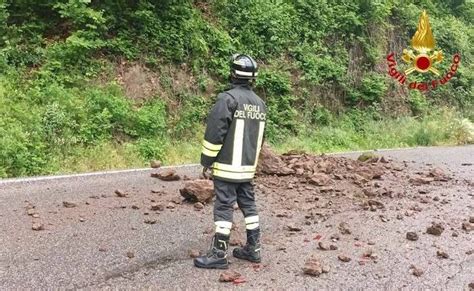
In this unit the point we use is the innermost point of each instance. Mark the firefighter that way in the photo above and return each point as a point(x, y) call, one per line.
point(231, 146)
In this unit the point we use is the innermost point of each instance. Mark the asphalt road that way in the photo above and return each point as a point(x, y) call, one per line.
point(86, 246)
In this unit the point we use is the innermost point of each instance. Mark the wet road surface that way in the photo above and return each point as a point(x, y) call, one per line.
point(90, 245)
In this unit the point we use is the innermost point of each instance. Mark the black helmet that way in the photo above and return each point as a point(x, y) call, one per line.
point(243, 67)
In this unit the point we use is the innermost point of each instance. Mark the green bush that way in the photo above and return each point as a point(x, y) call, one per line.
point(193, 112)
point(418, 103)
point(151, 149)
point(321, 116)
point(64, 64)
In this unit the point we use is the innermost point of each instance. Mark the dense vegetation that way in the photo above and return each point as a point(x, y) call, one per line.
point(113, 83)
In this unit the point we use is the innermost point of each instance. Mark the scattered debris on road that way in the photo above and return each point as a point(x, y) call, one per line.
point(315, 267)
point(37, 226)
point(292, 227)
point(435, 229)
point(120, 193)
point(344, 228)
point(198, 191)
point(194, 253)
point(344, 258)
point(166, 175)
point(467, 226)
point(157, 207)
point(442, 254)
point(150, 221)
point(416, 271)
point(229, 276)
point(413, 236)
point(198, 206)
point(69, 204)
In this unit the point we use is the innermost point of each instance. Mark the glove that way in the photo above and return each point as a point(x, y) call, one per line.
point(206, 173)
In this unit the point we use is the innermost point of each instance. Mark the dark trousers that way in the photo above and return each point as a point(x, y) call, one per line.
point(226, 195)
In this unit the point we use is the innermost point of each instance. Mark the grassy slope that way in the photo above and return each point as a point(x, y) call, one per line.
point(443, 127)
point(72, 102)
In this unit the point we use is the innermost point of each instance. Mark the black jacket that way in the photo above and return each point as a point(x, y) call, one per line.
point(234, 134)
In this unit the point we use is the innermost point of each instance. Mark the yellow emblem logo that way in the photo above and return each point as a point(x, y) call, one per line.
point(422, 58)
point(423, 42)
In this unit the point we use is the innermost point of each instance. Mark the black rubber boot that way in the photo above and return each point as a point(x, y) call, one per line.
point(216, 257)
point(251, 251)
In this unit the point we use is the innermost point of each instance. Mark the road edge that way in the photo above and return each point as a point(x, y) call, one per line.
point(113, 172)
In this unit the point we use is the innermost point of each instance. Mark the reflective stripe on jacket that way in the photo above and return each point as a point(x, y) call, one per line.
point(234, 135)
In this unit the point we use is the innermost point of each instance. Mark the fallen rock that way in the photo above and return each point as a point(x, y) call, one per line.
point(271, 164)
point(344, 258)
point(170, 205)
point(384, 160)
point(374, 204)
point(102, 249)
point(314, 267)
point(417, 271)
point(335, 237)
point(198, 191)
point(155, 164)
point(130, 254)
point(157, 207)
point(370, 254)
point(418, 180)
point(198, 206)
point(413, 236)
point(323, 246)
point(167, 175)
point(150, 221)
point(37, 226)
point(69, 204)
point(120, 193)
point(442, 254)
point(438, 175)
point(467, 226)
point(292, 227)
point(177, 200)
point(344, 228)
point(471, 219)
point(194, 253)
point(435, 229)
point(370, 173)
point(368, 157)
point(320, 179)
point(333, 247)
point(31, 211)
point(229, 276)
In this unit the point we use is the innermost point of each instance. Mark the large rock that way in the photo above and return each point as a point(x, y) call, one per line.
point(198, 191)
point(272, 164)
